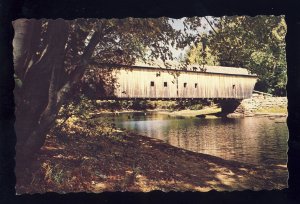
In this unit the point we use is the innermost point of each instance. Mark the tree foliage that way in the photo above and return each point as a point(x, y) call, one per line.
point(256, 43)
point(57, 60)
point(201, 54)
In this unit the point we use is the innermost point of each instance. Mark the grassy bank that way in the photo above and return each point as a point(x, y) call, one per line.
point(271, 110)
point(193, 113)
point(143, 105)
point(184, 108)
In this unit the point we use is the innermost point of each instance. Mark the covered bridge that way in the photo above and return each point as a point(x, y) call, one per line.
point(195, 82)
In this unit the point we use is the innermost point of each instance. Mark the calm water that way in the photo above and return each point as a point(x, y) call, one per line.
point(253, 140)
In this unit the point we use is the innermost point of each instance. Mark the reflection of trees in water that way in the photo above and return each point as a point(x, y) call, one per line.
point(250, 140)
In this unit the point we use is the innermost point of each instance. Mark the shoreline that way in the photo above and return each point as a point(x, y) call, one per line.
point(209, 112)
point(95, 158)
point(137, 163)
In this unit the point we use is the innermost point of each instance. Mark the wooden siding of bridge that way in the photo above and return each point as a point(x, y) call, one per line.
point(136, 83)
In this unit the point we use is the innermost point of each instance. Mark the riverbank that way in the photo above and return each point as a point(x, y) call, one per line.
point(207, 112)
point(113, 160)
point(258, 105)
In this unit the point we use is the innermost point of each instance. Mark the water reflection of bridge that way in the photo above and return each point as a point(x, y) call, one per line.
point(226, 85)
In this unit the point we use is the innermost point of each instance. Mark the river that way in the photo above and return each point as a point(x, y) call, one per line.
point(253, 140)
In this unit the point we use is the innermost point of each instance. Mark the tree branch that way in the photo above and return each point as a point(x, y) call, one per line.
point(210, 25)
point(78, 72)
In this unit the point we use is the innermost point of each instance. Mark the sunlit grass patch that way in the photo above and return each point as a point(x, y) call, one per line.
point(273, 109)
point(54, 173)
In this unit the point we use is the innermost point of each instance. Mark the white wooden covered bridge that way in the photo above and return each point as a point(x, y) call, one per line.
point(195, 82)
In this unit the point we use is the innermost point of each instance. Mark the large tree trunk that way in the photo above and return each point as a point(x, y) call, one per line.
point(44, 90)
point(35, 108)
point(25, 44)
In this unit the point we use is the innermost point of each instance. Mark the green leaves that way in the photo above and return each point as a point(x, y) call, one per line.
point(256, 43)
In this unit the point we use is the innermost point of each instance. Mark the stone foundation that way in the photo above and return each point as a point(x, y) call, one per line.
point(249, 107)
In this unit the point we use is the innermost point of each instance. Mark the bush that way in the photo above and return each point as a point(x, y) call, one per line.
point(191, 104)
point(141, 105)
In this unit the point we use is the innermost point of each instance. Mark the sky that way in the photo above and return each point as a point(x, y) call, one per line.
point(178, 25)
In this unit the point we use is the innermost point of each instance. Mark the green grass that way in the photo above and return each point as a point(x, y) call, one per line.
point(275, 109)
point(193, 113)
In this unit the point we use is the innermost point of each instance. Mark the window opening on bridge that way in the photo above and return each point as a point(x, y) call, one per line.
point(165, 84)
point(184, 85)
point(152, 83)
point(196, 85)
point(233, 86)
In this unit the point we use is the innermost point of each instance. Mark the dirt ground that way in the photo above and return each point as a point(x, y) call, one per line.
point(124, 161)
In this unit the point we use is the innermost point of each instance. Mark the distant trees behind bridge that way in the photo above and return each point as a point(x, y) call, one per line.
point(256, 43)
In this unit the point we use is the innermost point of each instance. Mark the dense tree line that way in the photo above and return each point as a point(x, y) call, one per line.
point(256, 43)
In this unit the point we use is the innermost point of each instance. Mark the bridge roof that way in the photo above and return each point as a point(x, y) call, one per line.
point(171, 65)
